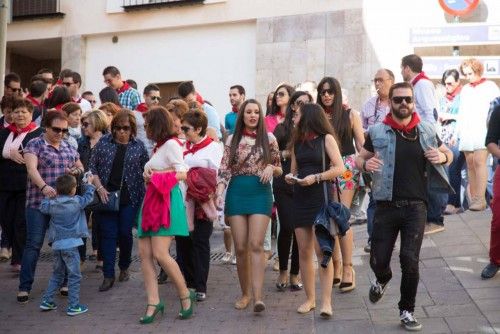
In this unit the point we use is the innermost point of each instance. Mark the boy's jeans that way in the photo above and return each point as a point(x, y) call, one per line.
point(65, 260)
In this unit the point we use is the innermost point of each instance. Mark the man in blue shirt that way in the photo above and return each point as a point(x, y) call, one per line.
point(236, 98)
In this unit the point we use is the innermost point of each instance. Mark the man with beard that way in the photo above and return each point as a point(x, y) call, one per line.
point(236, 98)
point(406, 158)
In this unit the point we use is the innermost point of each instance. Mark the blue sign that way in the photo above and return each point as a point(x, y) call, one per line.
point(455, 34)
point(435, 66)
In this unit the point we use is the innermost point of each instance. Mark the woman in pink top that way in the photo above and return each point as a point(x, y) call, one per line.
point(278, 106)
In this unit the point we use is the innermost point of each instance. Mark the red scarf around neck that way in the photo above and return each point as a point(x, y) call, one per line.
point(329, 110)
point(125, 87)
point(235, 109)
point(13, 128)
point(310, 136)
point(161, 142)
point(452, 95)
point(142, 107)
point(33, 101)
point(419, 76)
point(415, 120)
point(249, 133)
point(59, 106)
point(474, 84)
point(193, 148)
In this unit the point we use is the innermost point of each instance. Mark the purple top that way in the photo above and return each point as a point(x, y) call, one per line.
point(52, 163)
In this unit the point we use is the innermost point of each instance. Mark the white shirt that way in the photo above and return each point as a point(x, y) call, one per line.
point(168, 156)
point(208, 157)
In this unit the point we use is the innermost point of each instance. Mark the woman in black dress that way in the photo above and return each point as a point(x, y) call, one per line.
point(312, 129)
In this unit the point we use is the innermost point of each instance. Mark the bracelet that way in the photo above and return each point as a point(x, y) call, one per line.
point(41, 189)
point(318, 178)
point(99, 188)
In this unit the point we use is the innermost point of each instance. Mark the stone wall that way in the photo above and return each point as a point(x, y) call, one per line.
point(297, 48)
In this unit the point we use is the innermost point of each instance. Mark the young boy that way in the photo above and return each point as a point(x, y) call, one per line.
point(68, 226)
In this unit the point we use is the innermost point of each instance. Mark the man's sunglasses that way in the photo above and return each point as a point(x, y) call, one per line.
point(157, 98)
point(15, 90)
point(399, 99)
point(67, 84)
point(124, 128)
point(59, 130)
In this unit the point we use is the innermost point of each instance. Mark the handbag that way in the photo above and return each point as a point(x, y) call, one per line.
point(113, 204)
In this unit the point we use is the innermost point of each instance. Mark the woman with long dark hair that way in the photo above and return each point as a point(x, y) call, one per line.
point(283, 197)
point(279, 104)
point(349, 129)
point(250, 160)
point(312, 134)
point(59, 97)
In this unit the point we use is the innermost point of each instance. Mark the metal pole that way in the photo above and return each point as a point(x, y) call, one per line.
point(4, 14)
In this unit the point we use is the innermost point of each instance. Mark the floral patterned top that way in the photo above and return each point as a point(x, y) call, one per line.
point(249, 159)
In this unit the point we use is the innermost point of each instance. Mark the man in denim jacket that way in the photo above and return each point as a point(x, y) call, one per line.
point(68, 226)
point(406, 158)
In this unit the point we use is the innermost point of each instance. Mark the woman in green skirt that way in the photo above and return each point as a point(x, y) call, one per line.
point(154, 241)
point(250, 160)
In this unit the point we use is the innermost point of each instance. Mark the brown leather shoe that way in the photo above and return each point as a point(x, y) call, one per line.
point(124, 276)
point(107, 284)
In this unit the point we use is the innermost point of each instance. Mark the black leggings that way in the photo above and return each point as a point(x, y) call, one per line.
point(13, 221)
point(284, 204)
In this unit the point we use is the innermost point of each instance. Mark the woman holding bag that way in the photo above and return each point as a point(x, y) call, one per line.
point(156, 228)
point(312, 129)
point(114, 152)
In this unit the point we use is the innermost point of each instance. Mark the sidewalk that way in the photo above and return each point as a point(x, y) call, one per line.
point(451, 298)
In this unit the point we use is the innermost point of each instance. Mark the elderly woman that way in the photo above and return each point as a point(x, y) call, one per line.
point(157, 228)
point(13, 176)
point(117, 163)
point(47, 157)
point(94, 125)
point(203, 157)
point(475, 101)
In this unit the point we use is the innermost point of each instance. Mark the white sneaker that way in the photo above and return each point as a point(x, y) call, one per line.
point(226, 258)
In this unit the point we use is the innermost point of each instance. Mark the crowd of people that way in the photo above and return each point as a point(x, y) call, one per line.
point(172, 170)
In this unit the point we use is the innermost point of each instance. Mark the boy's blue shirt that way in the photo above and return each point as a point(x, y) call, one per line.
point(67, 218)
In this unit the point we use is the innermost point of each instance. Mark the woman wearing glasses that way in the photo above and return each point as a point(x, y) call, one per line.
point(250, 161)
point(161, 220)
point(279, 104)
point(117, 163)
point(475, 101)
point(283, 197)
point(47, 157)
point(348, 127)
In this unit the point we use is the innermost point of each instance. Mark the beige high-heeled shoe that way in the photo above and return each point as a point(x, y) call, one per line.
point(348, 286)
point(337, 280)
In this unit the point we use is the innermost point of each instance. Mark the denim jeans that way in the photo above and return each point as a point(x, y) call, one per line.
point(195, 255)
point(437, 204)
point(36, 226)
point(65, 261)
point(370, 214)
point(113, 227)
point(389, 221)
point(455, 176)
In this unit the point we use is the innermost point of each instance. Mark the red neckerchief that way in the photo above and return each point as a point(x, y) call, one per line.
point(59, 106)
point(249, 134)
point(59, 82)
point(142, 107)
point(235, 109)
point(415, 119)
point(474, 84)
point(452, 95)
point(158, 145)
point(12, 128)
point(419, 76)
point(190, 148)
point(329, 110)
point(77, 100)
point(310, 136)
point(199, 98)
point(33, 101)
point(125, 87)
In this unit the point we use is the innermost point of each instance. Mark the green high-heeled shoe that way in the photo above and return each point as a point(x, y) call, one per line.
point(187, 313)
point(147, 319)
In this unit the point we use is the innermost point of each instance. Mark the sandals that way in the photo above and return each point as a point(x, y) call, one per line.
point(281, 286)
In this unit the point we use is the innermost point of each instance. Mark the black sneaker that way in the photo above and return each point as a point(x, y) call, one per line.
point(376, 291)
point(489, 271)
point(409, 322)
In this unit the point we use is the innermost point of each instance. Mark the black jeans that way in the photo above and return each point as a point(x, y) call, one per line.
point(13, 222)
point(390, 219)
point(193, 255)
point(286, 236)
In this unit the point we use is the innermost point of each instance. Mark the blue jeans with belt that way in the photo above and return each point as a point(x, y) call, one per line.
point(36, 225)
point(391, 219)
point(116, 227)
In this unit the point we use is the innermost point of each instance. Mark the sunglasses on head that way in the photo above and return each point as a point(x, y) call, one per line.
point(124, 128)
point(185, 128)
point(59, 130)
point(328, 91)
point(400, 99)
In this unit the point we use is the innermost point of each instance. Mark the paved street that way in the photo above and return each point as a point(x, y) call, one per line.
point(451, 298)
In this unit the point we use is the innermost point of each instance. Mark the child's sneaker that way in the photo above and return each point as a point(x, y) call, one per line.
point(48, 306)
point(76, 310)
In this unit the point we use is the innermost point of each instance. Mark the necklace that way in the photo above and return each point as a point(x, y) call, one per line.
point(401, 133)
